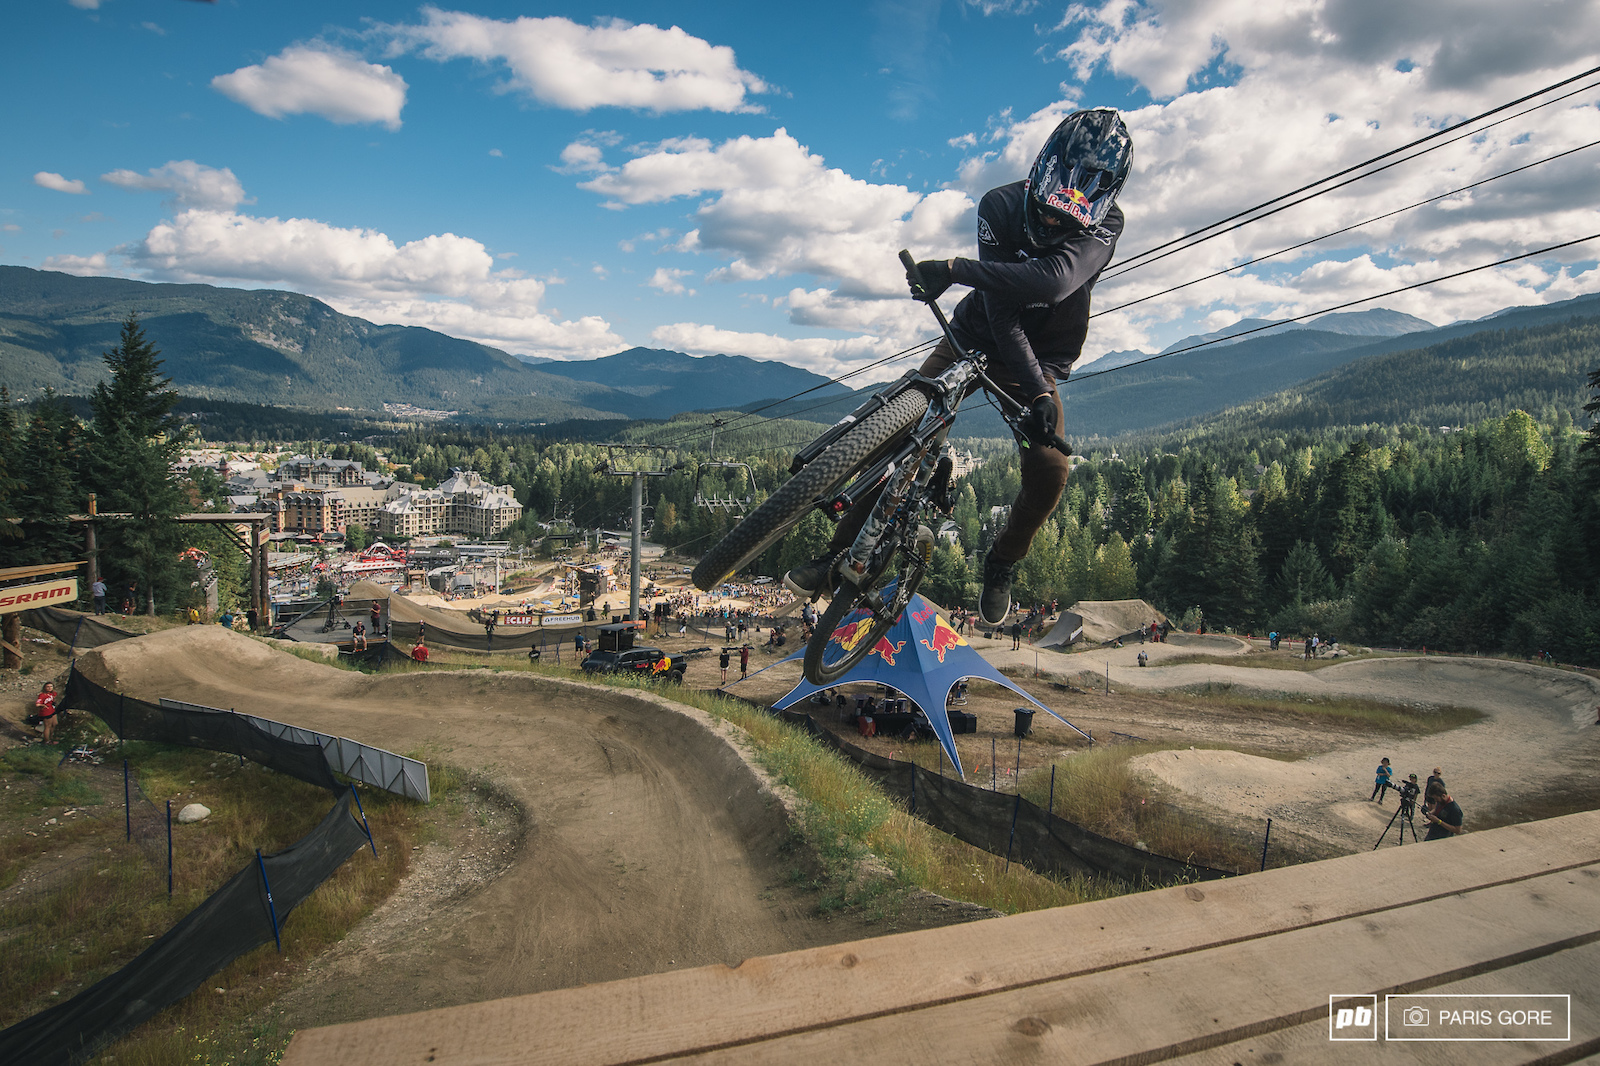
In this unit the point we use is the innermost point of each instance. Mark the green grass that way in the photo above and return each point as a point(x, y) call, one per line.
point(107, 899)
point(1345, 713)
point(1099, 790)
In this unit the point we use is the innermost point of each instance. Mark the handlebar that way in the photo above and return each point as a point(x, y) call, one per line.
point(1009, 407)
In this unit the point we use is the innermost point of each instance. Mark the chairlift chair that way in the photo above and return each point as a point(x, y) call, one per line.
point(732, 503)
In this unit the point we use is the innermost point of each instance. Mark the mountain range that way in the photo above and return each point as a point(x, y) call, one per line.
point(289, 350)
point(264, 346)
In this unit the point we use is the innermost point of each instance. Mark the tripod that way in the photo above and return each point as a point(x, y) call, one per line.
point(1405, 814)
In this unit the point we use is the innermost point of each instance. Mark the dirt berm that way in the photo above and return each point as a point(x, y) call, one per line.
point(651, 842)
point(1107, 620)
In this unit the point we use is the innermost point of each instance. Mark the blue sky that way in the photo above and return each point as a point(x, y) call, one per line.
point(573, 180)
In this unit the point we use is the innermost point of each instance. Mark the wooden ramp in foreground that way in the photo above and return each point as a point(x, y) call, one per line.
point(1236, 971)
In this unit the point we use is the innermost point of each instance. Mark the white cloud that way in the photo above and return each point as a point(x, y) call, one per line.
point(319, 80)
point(85, 266)
point(1254, 100)
point(780, 210)
point(191, 184)
point(819, 354)
point(154, 28)
point(46, 179)
point(497, 153)
point(85, 5)
point(670, 281)
point(610, 64)
point(443, 281)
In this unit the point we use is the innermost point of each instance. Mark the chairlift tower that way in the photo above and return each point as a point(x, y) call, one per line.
point(636, 461)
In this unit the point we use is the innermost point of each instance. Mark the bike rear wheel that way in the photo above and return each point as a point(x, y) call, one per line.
point(825, 474)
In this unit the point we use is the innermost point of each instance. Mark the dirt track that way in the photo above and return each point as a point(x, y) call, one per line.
point(650, 843)
point(1536, 742)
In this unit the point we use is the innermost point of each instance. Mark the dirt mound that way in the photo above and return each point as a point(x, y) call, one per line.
point(1105, 620)
point(651, 843)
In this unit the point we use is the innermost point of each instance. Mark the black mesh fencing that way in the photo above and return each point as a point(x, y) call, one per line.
point(1004, 823)
point(78, 631)
point(133, 719)
point(242, 915)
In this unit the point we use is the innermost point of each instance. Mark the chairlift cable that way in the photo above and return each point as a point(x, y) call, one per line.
point(1336, 307)
point(1134, 260)
point(1337, 232)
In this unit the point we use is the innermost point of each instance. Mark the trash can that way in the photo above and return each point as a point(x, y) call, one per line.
point(1024, 724)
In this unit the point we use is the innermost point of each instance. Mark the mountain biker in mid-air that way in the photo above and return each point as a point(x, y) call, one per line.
point(1042, 243)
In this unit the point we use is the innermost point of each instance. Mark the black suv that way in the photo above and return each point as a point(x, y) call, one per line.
point(649, 662)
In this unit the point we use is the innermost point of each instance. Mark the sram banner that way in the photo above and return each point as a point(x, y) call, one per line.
point(22, 597)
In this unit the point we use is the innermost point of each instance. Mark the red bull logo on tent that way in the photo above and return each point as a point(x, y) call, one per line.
point(850, 634)
point(922, 657)
point(944, 638)
point(886, 651)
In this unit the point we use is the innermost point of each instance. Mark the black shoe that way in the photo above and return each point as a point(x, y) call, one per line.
point(807, 579)
point(995, 603)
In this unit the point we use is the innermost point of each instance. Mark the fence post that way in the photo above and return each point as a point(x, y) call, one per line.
point(272, 910)
point(1265, 837)
point(169, 847)
point(1051, 810)
point(1015, 807)
point(941, 760)
point(364, 826)
point(127, 801)
point(914, 769)
point(993, 786)
point(73, 647)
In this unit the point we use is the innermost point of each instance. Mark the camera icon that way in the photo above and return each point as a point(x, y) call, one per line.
point(1414, 1016)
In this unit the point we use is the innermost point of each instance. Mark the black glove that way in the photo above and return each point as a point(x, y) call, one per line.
point(935, 279)
point(1039, 422)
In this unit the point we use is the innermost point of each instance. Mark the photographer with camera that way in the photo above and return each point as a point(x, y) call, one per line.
point(1409, 789)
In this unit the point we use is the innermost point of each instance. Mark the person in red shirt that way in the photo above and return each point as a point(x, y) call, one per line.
point(45, 707)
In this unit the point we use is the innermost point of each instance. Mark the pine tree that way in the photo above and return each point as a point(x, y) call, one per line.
point(47, 485)
point(135, 438)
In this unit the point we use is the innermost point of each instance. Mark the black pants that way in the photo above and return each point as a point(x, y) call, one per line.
point(1044, 478)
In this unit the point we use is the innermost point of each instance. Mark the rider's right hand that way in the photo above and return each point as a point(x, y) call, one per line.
point(1039, 422)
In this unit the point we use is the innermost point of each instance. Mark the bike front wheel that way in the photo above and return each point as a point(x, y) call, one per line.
point(850, 629)
point(820, 478)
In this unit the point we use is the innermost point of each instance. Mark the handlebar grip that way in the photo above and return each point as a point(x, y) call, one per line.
point(1059, 444)
point(910, 263)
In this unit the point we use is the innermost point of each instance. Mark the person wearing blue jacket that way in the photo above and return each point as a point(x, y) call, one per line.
point(1381, 786)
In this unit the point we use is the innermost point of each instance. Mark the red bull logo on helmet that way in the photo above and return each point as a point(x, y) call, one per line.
point(1072, 201)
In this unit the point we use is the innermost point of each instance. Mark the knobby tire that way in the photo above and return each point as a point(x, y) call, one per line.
point(846, 600)
point(820, 478)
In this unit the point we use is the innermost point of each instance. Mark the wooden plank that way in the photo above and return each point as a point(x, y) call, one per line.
point(1151, 1012)
point(1568, 972)
point(714, 1006)
point(17, 573)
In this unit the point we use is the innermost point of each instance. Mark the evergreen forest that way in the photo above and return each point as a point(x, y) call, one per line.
point(1440, 498)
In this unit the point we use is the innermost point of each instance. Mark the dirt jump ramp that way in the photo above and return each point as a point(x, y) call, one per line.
point(650, 842)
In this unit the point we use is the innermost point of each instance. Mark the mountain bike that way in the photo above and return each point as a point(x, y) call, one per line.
point(885, 454)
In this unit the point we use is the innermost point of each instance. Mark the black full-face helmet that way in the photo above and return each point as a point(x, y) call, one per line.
point(1075, 180)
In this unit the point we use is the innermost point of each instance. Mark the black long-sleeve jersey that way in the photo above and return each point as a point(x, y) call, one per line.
point(1030, 308)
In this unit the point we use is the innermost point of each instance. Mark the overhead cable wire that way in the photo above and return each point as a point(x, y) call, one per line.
point(1336, 307)
point(1346, 229)
point(733, 423)
point(1131, 260)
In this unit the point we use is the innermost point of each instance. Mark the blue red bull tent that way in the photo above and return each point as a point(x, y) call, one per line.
point(922, 657)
